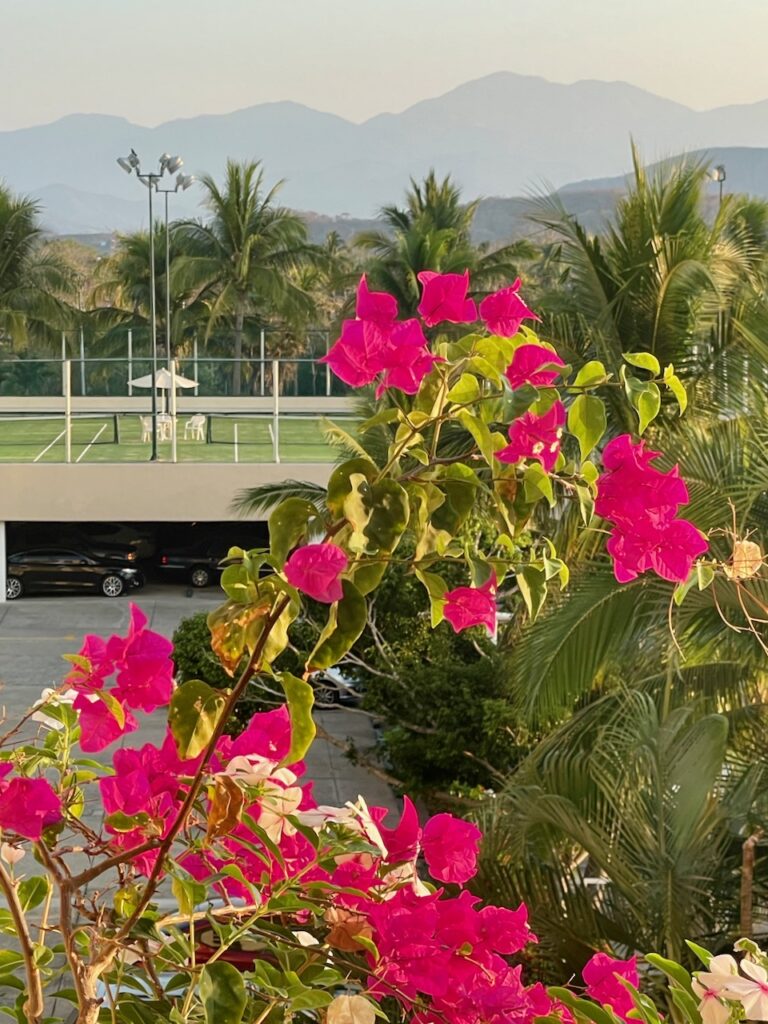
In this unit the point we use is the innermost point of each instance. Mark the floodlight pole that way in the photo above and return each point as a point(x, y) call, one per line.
point(151, 179)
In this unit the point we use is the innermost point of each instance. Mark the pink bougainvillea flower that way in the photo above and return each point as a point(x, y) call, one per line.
point(93, 666)
point(504, 311)
point(407, 358)
point(601, 975)
point(472, 606)
point(268, 734)
point(98, 725)
point(505, 931)
point(145, 668)
point(378, 307)
point(536, 437)
point(402, 841)
point(444, 297)
point(668, 548)
point(526, 367)
point(28, 806)
point(315, 569)
point(631, 487)
point(450, 847)
point(359, 354)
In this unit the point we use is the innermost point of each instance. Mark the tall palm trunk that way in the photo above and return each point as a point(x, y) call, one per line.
point(237, 365)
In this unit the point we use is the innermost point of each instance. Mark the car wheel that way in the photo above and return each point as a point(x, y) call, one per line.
point(13, 588)
point(200, 576)
point(326, 692)
point(112, 586)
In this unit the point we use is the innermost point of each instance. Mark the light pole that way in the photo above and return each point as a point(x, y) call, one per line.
point(183, 182)
point(718, 175)
point(150, 179)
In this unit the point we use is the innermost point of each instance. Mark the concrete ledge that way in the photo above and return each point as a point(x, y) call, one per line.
point(289, 404)
point(137, 492)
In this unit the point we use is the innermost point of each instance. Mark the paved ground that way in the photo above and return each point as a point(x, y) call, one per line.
point(36, 631)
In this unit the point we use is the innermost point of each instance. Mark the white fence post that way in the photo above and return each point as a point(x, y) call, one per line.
point(172, 367)
point(82, 362)
point(194, 364)
point(237, 453)
point(262, 358)
point(130, 362)
point(67, 410)
point(276, 410)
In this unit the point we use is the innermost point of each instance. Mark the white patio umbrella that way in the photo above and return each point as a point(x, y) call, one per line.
point(163, 380)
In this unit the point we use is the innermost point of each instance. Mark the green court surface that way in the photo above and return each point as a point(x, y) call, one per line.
point(118, 438)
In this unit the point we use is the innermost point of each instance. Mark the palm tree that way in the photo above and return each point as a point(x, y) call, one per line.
point(432, 232)
point(625, 698)
point(33, 279)
point(660, 278)
point(240, 261)
point(121, 294)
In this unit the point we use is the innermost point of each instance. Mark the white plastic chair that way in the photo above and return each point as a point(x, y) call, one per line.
point(146, 429)
point(195, 428)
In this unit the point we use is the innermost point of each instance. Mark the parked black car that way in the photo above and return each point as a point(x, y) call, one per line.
point(56, 570)
point(198, 564)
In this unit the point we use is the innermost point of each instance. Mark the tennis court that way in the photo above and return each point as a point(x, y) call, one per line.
point(117, 437)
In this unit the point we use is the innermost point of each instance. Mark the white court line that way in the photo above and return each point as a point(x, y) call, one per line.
point(92, 442)
point(53, 442)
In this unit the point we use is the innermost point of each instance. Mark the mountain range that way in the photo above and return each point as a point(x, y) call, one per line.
point(500, 136)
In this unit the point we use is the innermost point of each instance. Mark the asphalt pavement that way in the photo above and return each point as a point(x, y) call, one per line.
point(36, 631)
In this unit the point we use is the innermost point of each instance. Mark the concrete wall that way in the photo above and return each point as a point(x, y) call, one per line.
point(137, 492)
point(289, 404)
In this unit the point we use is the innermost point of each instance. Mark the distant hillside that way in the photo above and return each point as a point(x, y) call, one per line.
point(499, 136)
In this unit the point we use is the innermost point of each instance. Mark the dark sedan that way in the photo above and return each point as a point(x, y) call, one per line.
point(56, 570)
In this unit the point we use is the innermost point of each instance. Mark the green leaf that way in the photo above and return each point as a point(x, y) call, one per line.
point(677, 388)
point(537, 484)
point(465, 390)
point(222, 990)
point(590, 375)
point(436, 587)
point(32, 891)
point(288, 524)
point(645, 398)
point(533, 586)
point(643, 360)
point(587, 422)
point(188, 893)
point(196, 709)
point(586, 503)
point(345, 480)
point(672, 970)
point(384, 416)
point(121, 822)
point(346, 621)
point(300, 697)
point(481, 435)
point(705, 574)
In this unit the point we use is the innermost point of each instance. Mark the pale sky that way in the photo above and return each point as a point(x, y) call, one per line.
point(154, 60)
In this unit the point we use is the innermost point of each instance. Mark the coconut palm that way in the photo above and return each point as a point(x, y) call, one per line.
point(121, 293)
point(239, 261)
point(33, 281)
point(432, 232)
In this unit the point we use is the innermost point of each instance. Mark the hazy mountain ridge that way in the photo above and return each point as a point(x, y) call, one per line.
point(499, 136)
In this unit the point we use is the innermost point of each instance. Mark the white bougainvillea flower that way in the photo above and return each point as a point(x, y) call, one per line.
point(721, 970)
point(49, 697)
point(752, 991)
point(10, 854)
point(712, 1009)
